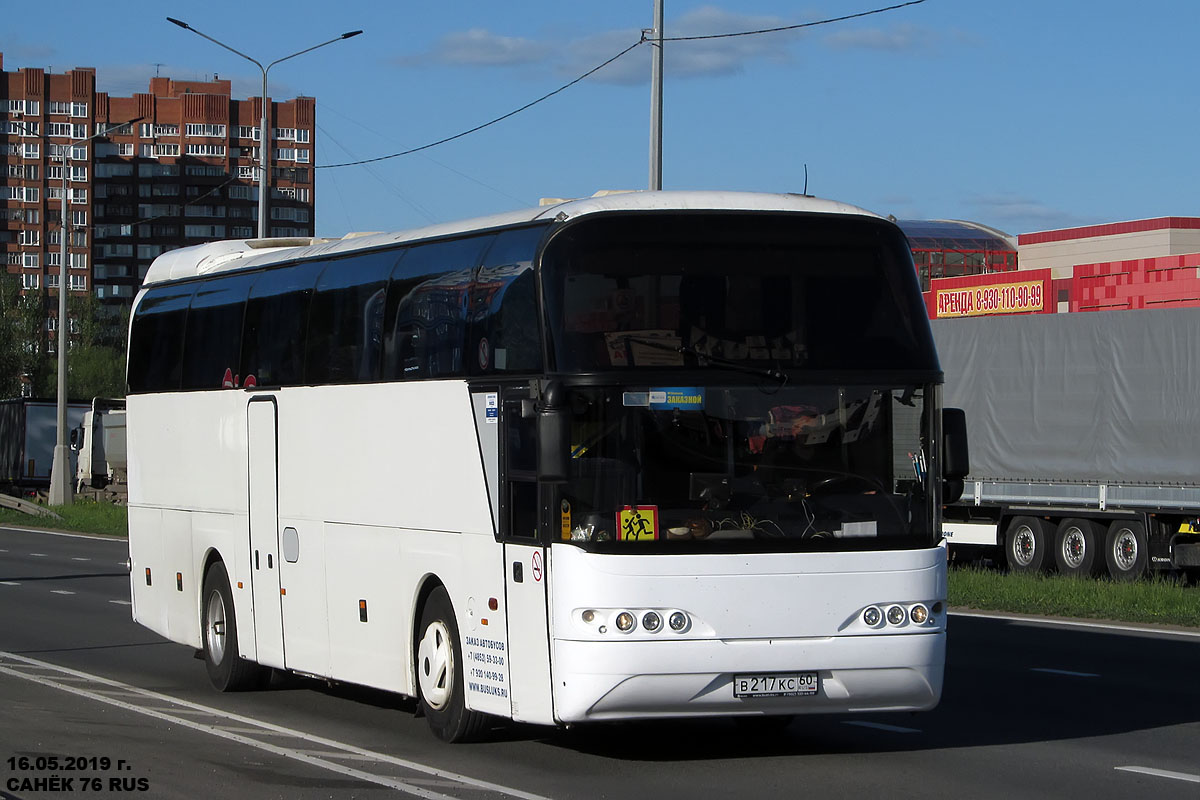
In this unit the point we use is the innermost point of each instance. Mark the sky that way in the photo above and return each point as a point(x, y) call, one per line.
point(1025, 115)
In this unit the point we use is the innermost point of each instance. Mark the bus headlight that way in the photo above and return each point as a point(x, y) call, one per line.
point(896, 615)
point(651, 621)
point(918, 614)
point(678, 621)
point(872, 616)
point(625, 622)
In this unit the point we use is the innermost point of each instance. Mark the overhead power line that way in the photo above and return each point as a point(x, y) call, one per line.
point(791, 27)
point(599, 67)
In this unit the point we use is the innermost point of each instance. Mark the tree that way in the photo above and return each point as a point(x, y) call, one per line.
point(23, 340)
point(96, 357)
point(96, 338)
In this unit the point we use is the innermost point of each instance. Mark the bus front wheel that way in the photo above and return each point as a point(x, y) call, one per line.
point(440, 689)
point(227, 670)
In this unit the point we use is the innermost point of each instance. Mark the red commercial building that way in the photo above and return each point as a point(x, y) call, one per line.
point(184, 173)
point(1140, 264)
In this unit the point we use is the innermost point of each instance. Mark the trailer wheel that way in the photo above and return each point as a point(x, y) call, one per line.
point(1077, 548)
point(440, 687)
point(1027, 545)
point(1125, 550)
point(227, 670)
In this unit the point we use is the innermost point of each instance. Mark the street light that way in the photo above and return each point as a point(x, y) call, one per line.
point(265, 131)
point(60, 480)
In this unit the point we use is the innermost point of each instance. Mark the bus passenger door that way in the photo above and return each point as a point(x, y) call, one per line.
point(526, 569)
point(262, 448)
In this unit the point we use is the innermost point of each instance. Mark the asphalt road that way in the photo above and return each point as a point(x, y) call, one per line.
point(103, 706)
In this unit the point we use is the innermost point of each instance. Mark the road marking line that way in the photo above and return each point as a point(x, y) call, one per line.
point(9, 583)
point(107, 685)
point(1161, 773)
point(121, 602)
point(95, 536)
point(37, 555)
point(77, 558)
point(1064, 672)
point(879, 726)
point(1070, 623)
point(60, 591)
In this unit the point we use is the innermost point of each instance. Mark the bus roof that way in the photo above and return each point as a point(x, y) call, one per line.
point(238, 254)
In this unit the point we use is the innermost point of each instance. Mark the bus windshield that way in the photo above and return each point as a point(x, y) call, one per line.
point(768, 291)
point(746, 468)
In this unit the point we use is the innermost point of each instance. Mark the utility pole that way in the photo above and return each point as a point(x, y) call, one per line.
point(656, 98)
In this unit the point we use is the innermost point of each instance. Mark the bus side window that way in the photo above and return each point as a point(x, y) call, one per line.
point(345, 321)
point(426, 320)
point(276, 325)
point(156, 344)
point(505, 334)
point(212, 343)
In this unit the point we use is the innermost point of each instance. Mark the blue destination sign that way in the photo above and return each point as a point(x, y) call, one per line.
point(685, 398)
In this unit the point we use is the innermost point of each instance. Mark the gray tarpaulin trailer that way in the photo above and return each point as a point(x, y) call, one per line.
point(1085, 438)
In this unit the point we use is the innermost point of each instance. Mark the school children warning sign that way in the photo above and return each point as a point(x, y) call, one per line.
point(637, 523)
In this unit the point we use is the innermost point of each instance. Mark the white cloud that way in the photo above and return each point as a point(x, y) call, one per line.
point(683, 59)
point(482, 48)
point(1017, 214)
point(899, 38)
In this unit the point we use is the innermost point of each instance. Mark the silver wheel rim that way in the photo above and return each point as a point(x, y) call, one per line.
point(435, 665)
point(1125, 549)
point(214, 630)
point(1074, 548)
point(1024, 546)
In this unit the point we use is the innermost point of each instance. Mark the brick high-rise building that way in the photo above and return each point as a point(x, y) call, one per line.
point(185, 173)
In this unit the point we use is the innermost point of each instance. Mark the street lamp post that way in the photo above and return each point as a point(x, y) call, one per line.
point(264, 147)
point(60, 480)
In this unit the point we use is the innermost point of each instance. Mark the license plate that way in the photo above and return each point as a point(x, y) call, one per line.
point(776, 684)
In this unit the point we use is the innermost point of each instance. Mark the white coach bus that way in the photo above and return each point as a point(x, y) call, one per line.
point(657, 454)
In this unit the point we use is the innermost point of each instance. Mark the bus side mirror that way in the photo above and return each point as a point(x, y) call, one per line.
point(956, 460)
point(554, 434)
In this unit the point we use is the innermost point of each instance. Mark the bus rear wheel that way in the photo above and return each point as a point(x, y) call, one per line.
point(227, 670)
point(440, 687)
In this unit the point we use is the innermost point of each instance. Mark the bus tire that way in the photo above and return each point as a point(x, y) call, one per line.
point(1027, 545)
point(1125, 550)
point(1077, 544)
point(439, 666)
point(227, 670)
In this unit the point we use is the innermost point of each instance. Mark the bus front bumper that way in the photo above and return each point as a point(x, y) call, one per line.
point(610, 680)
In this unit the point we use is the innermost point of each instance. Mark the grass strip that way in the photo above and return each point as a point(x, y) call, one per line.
point(1159, 600)
point(84, 516)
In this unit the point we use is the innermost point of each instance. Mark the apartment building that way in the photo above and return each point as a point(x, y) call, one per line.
point(183, 172)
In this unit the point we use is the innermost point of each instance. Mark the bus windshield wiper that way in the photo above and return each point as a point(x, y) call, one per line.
point(704, 359)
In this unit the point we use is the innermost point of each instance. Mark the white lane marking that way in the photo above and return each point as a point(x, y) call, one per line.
point(77, 558)
point(879, 726)
point(95, 536)
point(121, 602)
point(1065, 672)
point(1161, 773)
point(10, 583)
point(1070, 623)
point(60, 591)
point(37, 555)
point(111, 686)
